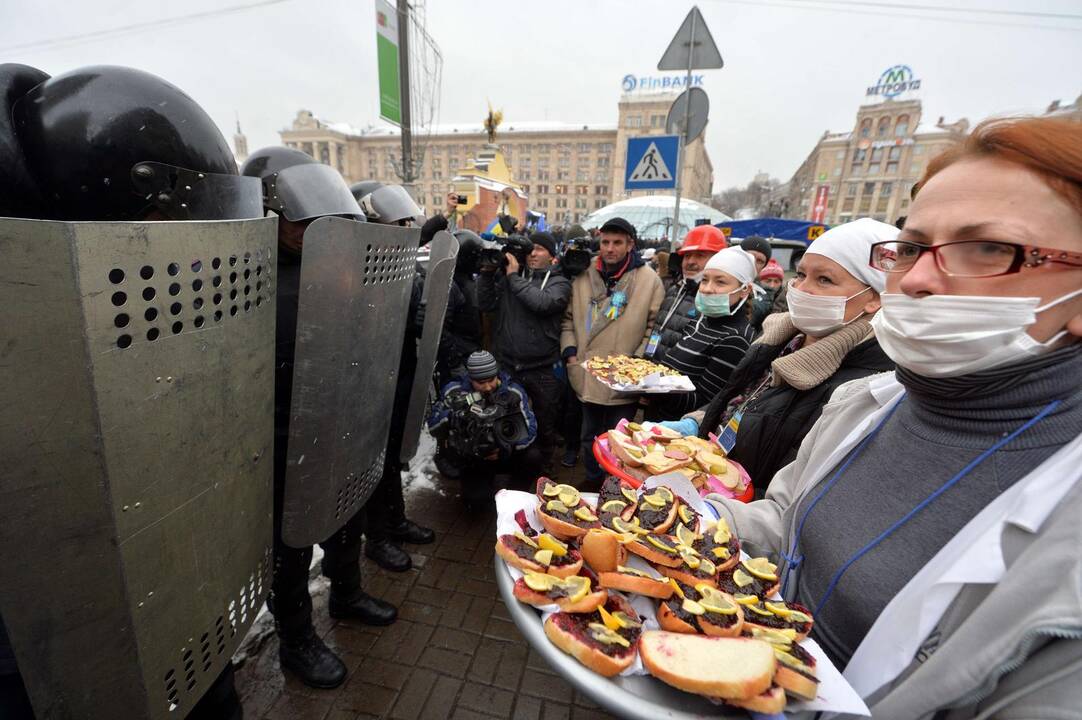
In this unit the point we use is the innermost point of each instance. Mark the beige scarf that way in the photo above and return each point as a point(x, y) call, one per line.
point(812, 364)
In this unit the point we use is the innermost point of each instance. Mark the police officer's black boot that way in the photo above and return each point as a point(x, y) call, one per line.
point(354, 603)
point(306, 656)
point(387, 555)
point(411, 532)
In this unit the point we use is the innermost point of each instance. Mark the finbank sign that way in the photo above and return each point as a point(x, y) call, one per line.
point(634, 83)
point(894, 81)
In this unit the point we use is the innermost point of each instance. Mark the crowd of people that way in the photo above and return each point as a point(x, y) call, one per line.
point(907, 403)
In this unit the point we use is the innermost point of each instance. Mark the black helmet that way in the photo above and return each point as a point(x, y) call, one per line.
point(112, 143)
point(386, 204)
point(298, 187)
point(19, 196)
point(469, 250)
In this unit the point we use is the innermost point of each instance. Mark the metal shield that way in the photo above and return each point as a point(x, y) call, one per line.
point(441, 269)
point(355, 288)
point(136, 437)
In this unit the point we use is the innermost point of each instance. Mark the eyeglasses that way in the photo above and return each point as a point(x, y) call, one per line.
point(968, 258)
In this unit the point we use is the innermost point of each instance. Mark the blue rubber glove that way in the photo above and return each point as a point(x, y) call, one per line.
point(686, 426)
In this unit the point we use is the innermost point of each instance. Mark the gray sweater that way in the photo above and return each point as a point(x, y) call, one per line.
point(938, 428)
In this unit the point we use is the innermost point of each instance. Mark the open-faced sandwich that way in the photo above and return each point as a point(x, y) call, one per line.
point(615, 500)
point(655, 548)
point(571, 594)
point(718, 543)
point(657, 510)
point(693, 568)
point(700, 609)
point(633, 580)
point(541, 553)
point(562, 510)
point(780, 615)
point(603, 640)
point(756, 577)
point(623, 447)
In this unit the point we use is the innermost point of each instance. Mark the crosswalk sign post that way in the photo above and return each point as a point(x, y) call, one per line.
point(651, 162)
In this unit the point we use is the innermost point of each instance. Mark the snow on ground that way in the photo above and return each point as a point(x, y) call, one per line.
point(422, 472)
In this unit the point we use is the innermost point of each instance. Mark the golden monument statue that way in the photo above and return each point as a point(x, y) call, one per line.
point(492, 122)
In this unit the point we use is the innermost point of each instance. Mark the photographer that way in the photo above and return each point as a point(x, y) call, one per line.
point(486, 421)
point(529, 303)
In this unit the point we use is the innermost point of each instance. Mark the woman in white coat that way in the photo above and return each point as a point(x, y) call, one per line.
point(931, 518)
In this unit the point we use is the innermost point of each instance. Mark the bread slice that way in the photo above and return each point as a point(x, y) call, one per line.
point(603, 551)
point(793, 682)
point(624, 448)
point(504, 548)
point(728, 668)
point(564, 630)
point(770, 702)
point(638, 585)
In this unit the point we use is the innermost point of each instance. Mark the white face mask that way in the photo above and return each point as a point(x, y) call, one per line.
point(818, 315)
point(953, 335)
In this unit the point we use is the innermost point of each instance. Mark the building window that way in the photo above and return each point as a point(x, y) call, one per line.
point(633, 121)
point(865, 205)
point(885, 189)
point(869, 188)
point(851, 190)
point(561, 189)
point(599, 203)
point(901, 128)
point(542, 189)
point(602, 162)
point(895, 153)
point(884, 200)
point(340, 157)
point(584, 147)
point(859, 156)
point(601, 190)
point(840, 155)
point(877, 154)
point(873, 169)
point(436, 202)
point(542, 174)
point(437, 175)
point(306, 148)
point(543, 161)
point(884, 127)
point(526, 148)
point(856, 170)
point(543, 202)
point(565, 160)
point(892, 168)
point(847, 206)
point(580, 203)
point(582, 175)
point(866, 128)
point(561, 202)
point(562, 175)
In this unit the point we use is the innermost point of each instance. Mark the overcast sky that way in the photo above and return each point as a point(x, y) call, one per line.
point(792, 68)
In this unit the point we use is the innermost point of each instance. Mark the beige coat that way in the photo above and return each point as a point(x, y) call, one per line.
point(626, 335)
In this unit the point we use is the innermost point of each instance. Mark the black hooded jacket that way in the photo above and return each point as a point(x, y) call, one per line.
point(675, 317)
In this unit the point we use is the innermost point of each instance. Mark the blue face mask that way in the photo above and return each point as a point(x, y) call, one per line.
point(712, 305)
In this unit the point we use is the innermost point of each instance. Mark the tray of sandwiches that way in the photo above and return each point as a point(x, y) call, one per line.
point(637, 375)
point(643, 599)
point(634, 452)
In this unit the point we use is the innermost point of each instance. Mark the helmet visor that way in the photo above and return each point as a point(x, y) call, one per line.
point(313, 190)
point(183, 194)
point(391, 204)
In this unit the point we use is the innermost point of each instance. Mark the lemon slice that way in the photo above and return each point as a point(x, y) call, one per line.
point(633, 571)
point(690, 560)
point(621, 525)
point(778, 638)
point(795, 616)
point(633, 451)
point(629, 494)
point(761, 568)
point(584, 514)
point(543, 557)
point(547, 542)
point(786, 659)
point(550, 490)
point(685, 514)
point(656, 542)
point(762, 612)
point(715, 601)
point(746, 599)
point(707, 567)
point(599, 632)
point(614, 506)
point(569, 496)
point(664, 492)
point(610, 622)
point(526, 538)
point(556, 506)
point(654, 500)
point(722, 533)
point(540, 581)
point(742, 579)
point(676, 588)
point(634, 426)
point(722, 553)
point(690, 606)
point(685, 536)
point(778, 609)
point(625, 620)
point(577, 587)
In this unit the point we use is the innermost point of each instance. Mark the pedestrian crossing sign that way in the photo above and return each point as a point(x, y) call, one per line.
point(651, 162)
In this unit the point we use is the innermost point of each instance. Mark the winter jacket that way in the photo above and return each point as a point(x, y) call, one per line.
point(1005, 650)
point(674, 317)
point(461, 325)
point(776, 421)
point(588, 331)
point(440, 417)
point(762, 305)
point(529, 312)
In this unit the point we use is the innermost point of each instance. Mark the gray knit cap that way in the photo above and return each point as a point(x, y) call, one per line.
point(482, 366)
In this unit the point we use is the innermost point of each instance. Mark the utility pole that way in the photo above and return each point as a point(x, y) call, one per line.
point(408, 177)
point(683, 139)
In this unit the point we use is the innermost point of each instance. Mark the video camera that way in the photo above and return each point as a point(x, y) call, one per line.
point(576, 257)
point(493, 252)
point(482, 424)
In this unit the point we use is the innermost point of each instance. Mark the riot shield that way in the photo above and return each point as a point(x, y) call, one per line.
point(355, 287)
point(136, 438)
point(441, 270)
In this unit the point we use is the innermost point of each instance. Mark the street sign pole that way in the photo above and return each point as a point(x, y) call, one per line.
point(683, 143)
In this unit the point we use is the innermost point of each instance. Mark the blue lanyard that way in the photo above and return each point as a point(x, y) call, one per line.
point(793, 560)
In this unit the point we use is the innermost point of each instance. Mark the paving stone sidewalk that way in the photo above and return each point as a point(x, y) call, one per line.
point(453, 653)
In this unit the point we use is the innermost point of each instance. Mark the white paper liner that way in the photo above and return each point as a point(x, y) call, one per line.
point(653, 384)
point(835, 694)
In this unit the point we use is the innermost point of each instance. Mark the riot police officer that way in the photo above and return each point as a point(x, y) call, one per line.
point(300, 190)
point(109, 149)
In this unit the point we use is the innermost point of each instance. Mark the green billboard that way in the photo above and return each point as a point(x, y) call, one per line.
point(390, 104)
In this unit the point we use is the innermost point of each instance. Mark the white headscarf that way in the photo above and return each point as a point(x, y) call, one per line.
point(850, 245)
point(736, 262)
